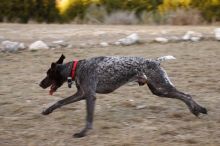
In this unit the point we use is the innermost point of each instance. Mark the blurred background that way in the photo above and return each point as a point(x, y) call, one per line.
point(174, 12)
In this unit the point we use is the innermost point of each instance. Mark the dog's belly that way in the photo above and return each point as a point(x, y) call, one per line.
point(108, 82)
point(108, 87)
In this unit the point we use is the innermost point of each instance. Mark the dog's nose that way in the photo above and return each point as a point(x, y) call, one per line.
point(41, 85)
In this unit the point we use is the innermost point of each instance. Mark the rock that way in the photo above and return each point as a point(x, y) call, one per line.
point(117, 43)
point(70, 46)
point(195, 39)
point(129, 40)
point(192, 36)
point(174, 38)
point(217, 34)
point(21, 46)
point(187, 35)
point(9, 46)
point(161, 40)
point(141, 107)
point(38, 45)
point(104, 44)
point(168, 57)
point(59, 44)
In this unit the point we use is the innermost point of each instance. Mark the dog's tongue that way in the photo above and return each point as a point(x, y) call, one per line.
point(51, 92)
point(52, 89)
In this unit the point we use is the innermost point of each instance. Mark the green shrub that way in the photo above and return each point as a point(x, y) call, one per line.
point(210, 9)
point(111, 11)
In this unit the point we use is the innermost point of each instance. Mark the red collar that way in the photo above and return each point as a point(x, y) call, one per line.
point(73, 72)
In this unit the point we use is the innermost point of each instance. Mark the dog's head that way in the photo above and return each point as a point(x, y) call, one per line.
point(54, 78)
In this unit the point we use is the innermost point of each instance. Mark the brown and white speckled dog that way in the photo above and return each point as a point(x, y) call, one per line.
point(107, 73)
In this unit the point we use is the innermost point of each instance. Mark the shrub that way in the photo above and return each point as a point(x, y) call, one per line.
point(95, 14)
point(210, 9)
point(111, 11)
point(184, 17)
point(121, 17)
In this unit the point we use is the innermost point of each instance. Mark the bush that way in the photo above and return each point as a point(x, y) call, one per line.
point(210, 9)
point(95, 14)
point(121, 17)
point(184, 17)
point(177, 12)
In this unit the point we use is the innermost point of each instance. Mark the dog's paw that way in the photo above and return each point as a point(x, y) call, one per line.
point(79, 135)
point(196, 110)
point(203, 110)
point(46, 112)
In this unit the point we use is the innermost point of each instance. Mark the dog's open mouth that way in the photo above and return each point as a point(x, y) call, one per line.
point(53, 89)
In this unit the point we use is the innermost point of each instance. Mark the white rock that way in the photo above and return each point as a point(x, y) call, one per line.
point(38, 45)
point(217, 34)
point(58, 42)
point(161, 40)
point(187, 35)
point(131, 100)
point(195, 39)
point(164, 58)
point(192, 36)
point(70, 46)
point(129, 40)
point(10, 46)
point(117, 43)
point(104, 44)
point(141, 106)
point(61, 43)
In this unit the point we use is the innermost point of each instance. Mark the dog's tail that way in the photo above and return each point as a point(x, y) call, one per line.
point(164, 58)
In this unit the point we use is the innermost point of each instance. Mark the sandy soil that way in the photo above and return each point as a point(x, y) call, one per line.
point(117, 121)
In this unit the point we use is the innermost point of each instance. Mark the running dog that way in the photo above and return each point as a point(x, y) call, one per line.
point(105, 74)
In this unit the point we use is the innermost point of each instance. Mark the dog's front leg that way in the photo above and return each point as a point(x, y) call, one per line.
point(90, 106)
point(74, 98)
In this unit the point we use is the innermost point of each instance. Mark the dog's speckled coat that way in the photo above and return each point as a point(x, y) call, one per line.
point(109, 73)
point(105, 74)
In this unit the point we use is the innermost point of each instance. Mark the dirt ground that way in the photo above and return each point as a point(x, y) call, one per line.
point(117, 122)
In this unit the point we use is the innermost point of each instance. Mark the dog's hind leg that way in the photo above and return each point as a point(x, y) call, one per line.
point(160, 85)
point(71, 99)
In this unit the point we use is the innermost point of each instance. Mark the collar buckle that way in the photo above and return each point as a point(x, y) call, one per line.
point(69, 82)
point(71, 78)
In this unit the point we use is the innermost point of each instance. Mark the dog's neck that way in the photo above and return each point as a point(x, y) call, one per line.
point(66, 69)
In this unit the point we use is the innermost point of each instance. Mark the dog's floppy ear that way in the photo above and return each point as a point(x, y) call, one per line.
point(60, 61)
point(53, 66)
